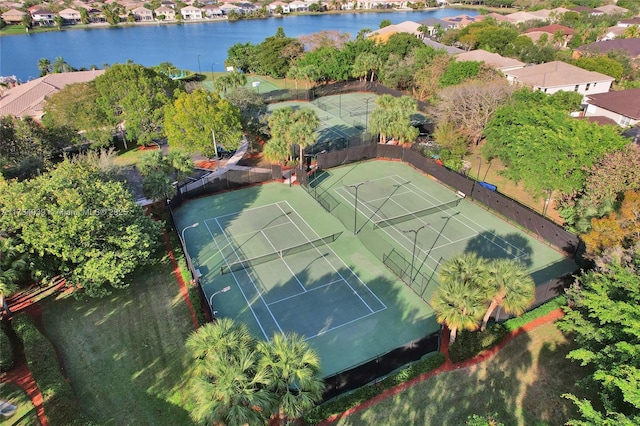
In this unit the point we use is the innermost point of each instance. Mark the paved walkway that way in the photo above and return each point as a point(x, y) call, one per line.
point(448, 365)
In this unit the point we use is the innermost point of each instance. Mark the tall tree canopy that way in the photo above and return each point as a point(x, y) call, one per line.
point(392, 118)
point(603, 316)
point(135, 96)
point(545, 148)
point(191, 119)
point(76, 222)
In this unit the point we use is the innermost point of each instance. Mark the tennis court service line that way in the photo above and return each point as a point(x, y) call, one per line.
point(304, 289)
point(235, 278)
point(476, 231)
point(334, 268)
point(298, 294)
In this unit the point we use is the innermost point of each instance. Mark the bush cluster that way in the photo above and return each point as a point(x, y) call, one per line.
point(60, 402)
point(360, 395)
point(471, 343)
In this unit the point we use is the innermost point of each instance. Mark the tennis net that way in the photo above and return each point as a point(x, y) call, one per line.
point(419, 213)
point(246, 263)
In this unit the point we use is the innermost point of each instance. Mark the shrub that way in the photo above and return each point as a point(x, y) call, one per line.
point(540, 311)
point(60, 402)
point(358, 396)
point(470, 343)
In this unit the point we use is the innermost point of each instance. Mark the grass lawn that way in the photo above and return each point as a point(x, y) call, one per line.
point(124, 354)
point(26, 413)
point(522, 384)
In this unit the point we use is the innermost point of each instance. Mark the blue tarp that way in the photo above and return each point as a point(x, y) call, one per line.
point(488, 186)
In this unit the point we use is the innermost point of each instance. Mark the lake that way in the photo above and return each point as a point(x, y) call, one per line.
point(193, 46)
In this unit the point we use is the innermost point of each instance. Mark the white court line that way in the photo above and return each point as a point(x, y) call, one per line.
point(285, 263)
point(299, 294)
point(252, 282)
point(475, 230)
point(341, 325)
point(350, 270)
point(238, 284)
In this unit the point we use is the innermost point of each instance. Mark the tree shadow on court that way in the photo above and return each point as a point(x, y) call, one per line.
point(490, 245)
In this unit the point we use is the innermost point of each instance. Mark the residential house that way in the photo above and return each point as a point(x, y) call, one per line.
point(629, 46)
point(383, 34)
point(629, 22)
point(26, 100)
point(493, 60)
point(587, 10)
point(246, 8)
point(298, 6)
point(612, 9)
point(284, 7)
point(613, 32)
point(212, 11)
point(43, 17)
point(622, 106)
point(559, 76)
point(191, 13)
point(460, 21)
point(142, 14)
point(13, 16)
point(168, 13)
point(434, 25)
point(439, 46)
point(168, 3)
point(228, 7)
point(498, 17)
point(70, 16)
point(552, 30)
point(521, 17)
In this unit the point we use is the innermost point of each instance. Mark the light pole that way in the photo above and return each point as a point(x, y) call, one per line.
point(199, 70)
point(224, 290)
point(184, 243)
point(355, 208)
point(415, 242)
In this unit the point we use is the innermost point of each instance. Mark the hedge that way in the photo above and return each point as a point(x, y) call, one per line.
point(365, 393)
point(60, 403)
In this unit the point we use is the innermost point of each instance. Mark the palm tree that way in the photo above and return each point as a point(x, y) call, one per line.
point(276, 150)
point(44, 65)
point(459, 301)
point(227, 386)
point(12, 264)
point(181, 163)
point(292, 370)
point(508, 285)
point(280, 123)
point(306, 123)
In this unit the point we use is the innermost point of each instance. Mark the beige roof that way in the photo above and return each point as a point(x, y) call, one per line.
point(522, 17)
point(556, 74)
point(611, 9)
point(403, 27)
point(27, 99)
point(493, 59)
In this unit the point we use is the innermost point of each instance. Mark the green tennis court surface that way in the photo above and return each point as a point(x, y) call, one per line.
point(294, 266)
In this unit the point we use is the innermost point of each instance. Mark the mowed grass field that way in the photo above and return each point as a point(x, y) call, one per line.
point(124, 354)
point(522, 384)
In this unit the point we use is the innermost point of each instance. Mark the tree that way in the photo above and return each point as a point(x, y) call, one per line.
point(459, 71)
point(384, 23)
point(81, 224)
point(84, 16)
point(290, 126)
point(253, 109)
point(602, 316)
point(13, 264)
point(276, 53)
point(459, 301)
point(392, 117)
point(226, 386)
point(621, 228)
point(135, 96)
point(27, 21)
point(470, 106)
point(162, 173)
point(58, 21)
point(292, 370)
point(601, 64)
point(191, 119)
point(44, 65)
point(508, 285)
point(542, 146)
point(365, 64)
point(76, 106)
point(324, 38)
point(237, 380)
point(60, 65)
point(241, 56)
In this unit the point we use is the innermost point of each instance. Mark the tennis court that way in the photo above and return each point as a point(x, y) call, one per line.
point(284, 269)
point(305, 273)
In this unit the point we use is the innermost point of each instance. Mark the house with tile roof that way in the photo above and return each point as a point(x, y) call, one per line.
point(460, 21)
point(142, 14)
point(383, 34)
point(13, 16)
point(168, 13)
point(629, 46)
point(551, 30)
point(494, 60)
point(43, 17)
point(559, 76)
point(212, 11)
point(70, 16)
point(271, 7)
point(629, 22)
point(26, 100)
point(434, 24)
point(191, 13)
point(622, 106)
point(520, 17)
point(613, 32)
point(612, 9)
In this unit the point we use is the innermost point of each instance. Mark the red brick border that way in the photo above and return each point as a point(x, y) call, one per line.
point(448, 365)
point(178, 275)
